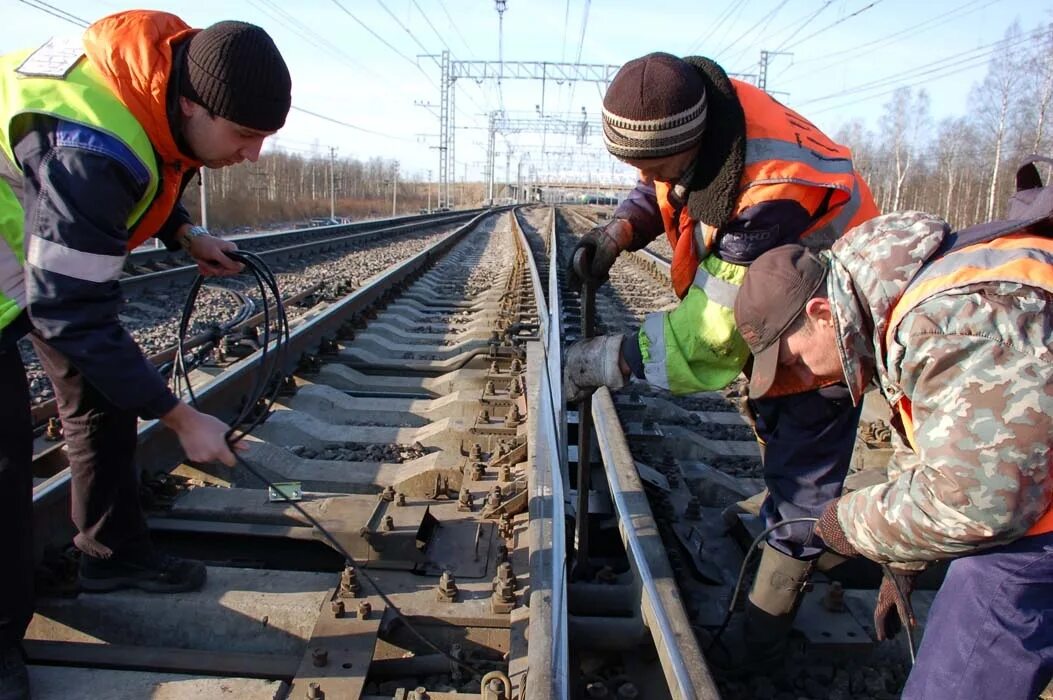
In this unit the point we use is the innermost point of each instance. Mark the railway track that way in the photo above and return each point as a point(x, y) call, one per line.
point(423, 425)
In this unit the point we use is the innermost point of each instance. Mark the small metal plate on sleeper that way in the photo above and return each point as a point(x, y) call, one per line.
point(283, 491)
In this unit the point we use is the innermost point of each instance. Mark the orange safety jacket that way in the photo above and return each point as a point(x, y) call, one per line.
point(133, 53)
point(1007, 258)
point(796, 161)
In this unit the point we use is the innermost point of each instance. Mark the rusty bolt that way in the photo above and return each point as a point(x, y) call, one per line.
point(389, 523)
point(388, 494)
point(499, 451)
point(628, 691)
point(484, 416)
point(400, 499)
point(338, 608)
point(419, 693)
point(489, 389)
point(465, 501)
point(476, 452)
point(506, 472)
point(314, 692)
point(505, 573)
point(693, 510)
point(447, 591)
point(834, 600)
point(502, 552)
point(606, 574)
point(503, 599)
point(517, 366)
point(513, 417)
point(349, 586)
point(319, 657)
point(364, 610)
point(54, 430)
point(494, 369)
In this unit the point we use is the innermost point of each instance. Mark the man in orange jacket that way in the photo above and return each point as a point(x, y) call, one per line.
point(98, 145)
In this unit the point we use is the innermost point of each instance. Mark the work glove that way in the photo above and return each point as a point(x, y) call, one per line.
point(885, 623)
point(595, 253)
point(591, 363)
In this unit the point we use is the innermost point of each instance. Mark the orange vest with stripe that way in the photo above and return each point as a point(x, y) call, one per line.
point(794, 160)
point(1018, 262)
point(133, 52)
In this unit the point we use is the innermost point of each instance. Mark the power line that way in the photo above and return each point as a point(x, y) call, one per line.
point(804, 23)
point(871, 46)
point(352, 126)
point(56, 12)
point(959, 66)
point(954, 61)
point(763, 20)
point(721, 18)
point(404, 27)
point(382, 40)
point(834, 24)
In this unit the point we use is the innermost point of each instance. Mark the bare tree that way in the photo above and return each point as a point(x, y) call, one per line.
point(905, 119)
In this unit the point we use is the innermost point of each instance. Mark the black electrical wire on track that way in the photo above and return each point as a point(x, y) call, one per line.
point(265, 392)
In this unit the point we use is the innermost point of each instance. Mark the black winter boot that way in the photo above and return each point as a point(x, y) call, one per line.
point(14, 679)
point(757, 639)
point(145, 569)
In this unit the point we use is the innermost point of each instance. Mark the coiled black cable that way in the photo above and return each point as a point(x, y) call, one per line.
point(265, 390)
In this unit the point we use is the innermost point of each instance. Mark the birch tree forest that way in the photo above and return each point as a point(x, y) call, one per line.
point(961, 168)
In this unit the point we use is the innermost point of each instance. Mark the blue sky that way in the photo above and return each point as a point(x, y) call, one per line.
point(344, 72)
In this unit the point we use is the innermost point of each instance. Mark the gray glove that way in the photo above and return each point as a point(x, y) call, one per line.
point(591, 363)
point(597, 250)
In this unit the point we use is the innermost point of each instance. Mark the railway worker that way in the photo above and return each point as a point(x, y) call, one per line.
point(100, 138)
point(727, 173)
point(955, 331)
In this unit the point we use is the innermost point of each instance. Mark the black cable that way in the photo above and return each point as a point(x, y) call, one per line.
point(266, 389)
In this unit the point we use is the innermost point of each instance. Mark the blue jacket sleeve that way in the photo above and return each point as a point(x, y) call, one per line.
point(80, 187)
point(640, 208)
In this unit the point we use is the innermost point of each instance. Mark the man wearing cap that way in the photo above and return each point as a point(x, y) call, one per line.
point(100, 137)
point(727, 173)
point(955, 331)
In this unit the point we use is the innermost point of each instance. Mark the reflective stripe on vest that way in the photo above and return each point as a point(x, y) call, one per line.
point(1021, 258)
point(57, 258)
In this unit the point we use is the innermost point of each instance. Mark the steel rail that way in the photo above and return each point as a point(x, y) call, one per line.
point(680, 655)
point(159, 447)
point(144, 257)
point(186, 273)
point(548, 651)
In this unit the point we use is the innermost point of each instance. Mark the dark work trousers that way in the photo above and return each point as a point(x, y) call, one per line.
point(16, 498)
point(100, 440)
point(989, 635)
point(808, 441)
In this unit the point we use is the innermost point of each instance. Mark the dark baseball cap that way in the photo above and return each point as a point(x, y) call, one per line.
point(777, 286)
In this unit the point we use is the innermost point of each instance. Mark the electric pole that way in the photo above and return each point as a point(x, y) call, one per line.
point(394, 189)
point(429, 191)
point(332, 184)
point(204, 196)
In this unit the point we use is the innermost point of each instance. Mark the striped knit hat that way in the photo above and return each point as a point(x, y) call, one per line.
point(654, 107)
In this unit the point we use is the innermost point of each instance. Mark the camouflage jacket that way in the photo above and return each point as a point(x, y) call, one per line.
point(976, 363)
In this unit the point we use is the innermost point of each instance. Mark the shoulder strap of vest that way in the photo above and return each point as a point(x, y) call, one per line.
point(983, 233)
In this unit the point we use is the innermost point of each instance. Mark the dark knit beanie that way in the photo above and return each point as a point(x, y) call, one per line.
point(654, 107)
point(234, 70)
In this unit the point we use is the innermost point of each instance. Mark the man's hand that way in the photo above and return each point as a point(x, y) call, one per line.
point(208, 253)
point(597, 250)
point(203, 437)
point(833, 535)
point(591, 363)
point(886, 624)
